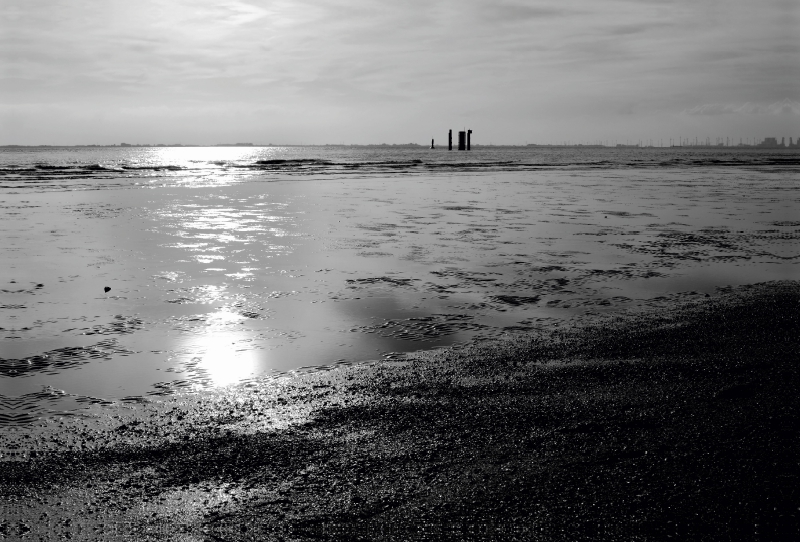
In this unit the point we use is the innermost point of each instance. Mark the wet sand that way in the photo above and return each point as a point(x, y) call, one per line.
point(670, 421)
point(225, 281)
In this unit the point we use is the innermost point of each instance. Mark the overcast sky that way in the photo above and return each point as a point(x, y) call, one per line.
point(366, 71)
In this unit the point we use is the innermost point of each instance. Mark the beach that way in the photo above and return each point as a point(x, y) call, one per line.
point(431, 271)
point(663, 422)
point(394, 345)
point(217, 277)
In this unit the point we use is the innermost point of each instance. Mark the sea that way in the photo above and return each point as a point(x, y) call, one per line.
point(132, 273)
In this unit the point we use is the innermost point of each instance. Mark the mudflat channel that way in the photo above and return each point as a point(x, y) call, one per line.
point(672, 421)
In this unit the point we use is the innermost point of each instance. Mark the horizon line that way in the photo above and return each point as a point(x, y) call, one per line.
point(766, 142)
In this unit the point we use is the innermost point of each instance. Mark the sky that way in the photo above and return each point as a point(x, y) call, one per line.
point(368, 71)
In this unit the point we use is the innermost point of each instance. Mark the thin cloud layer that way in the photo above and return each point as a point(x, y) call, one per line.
point(360, 70)
point(784, 107)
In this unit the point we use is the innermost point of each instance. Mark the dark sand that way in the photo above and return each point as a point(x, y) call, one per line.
point(678, 422)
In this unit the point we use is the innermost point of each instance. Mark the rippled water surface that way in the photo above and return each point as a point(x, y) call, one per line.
point(222, 273)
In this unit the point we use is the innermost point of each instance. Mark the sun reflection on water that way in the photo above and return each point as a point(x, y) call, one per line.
point(222, 354)
point(213, 232)
point(191, 156)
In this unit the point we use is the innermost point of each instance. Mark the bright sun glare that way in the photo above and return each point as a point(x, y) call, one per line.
point(226, 356)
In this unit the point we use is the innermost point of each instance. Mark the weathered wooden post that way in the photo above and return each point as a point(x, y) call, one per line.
point(469, 134)
point(450, 140)
point(462, 141)
point(432, 144)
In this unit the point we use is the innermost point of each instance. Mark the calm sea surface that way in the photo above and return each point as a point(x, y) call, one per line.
point(226, 264)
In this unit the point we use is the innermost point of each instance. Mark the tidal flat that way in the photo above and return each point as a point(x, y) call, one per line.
point(220, 281)
point(675, 421)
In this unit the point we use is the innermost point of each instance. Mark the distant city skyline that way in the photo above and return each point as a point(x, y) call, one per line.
point(361, 71)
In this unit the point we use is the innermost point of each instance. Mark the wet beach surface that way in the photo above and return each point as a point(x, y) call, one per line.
point(224, 283)
point(532, 353)
point(676, 420)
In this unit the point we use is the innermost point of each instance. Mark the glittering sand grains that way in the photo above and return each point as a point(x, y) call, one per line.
point(672, 422)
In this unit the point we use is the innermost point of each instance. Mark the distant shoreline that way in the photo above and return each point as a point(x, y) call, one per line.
point(410, 145)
